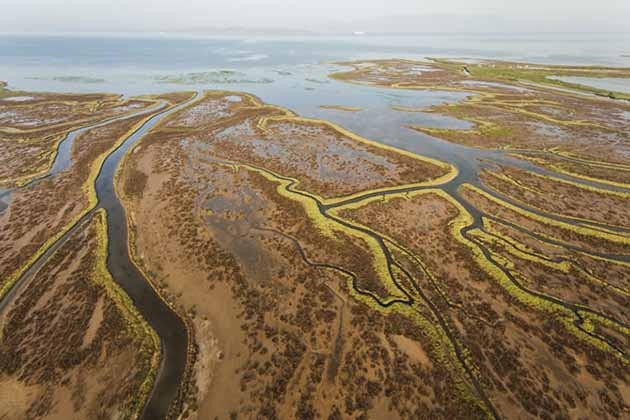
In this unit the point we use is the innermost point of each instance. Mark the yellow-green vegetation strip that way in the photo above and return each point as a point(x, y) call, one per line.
point(3, 89)
point(308, 201)
point(329, 228)
point(342, 108)
point(489, 129)
point(451, 170)
point(463, 220)
point(522, 251)
point(514, 72)
point(518, 249)
point(52, 154)
point(508, 106)
point(489, 225)
point(606, 322)
point(444, 353)
point(582, 230)
point(486, 129)
point(336, 211)
point(137, 327)
point(21, 181)
point(131, 239)
point(353, 77)
point(495, 71)
point(290, 116)
point(494, 100)
point(511, 180)
point(551, 179)
point(431, 277)
point(558, 167)
point(409, 109)
point(571, 156)
point(159, 125)
point(442, 348)
point(566, 316)
point(90, 191)
point(72, 125)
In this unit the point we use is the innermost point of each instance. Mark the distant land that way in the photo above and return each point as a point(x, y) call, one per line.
point(432, 23)
point(605, 22)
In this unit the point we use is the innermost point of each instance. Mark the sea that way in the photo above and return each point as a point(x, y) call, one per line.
point(147, 63)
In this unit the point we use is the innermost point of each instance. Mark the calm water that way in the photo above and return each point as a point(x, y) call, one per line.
point(288, 71)
point(134, 64)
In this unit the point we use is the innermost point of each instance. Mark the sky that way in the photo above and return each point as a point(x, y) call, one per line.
point(315, 15)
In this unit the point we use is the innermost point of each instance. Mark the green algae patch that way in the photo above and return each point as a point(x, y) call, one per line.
point(345, 108)
point(211, 77)
point(72, 79)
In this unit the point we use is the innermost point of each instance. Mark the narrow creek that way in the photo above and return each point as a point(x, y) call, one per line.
point(63, 157)
point(167, 324)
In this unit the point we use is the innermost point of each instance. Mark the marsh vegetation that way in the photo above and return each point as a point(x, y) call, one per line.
point(321, 274)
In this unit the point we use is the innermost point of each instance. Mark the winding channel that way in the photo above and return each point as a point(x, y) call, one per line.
point(170, 328)
point(62, 161)
point(63, 156)
point(167, 324)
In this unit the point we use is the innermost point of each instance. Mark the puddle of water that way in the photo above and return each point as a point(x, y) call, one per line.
point(5, 198)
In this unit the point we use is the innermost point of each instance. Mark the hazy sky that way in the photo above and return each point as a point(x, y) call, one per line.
point(316, 15)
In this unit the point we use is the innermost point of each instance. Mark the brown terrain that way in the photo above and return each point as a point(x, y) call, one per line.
point(281, 332)
point(324, 275)
point(70, 345)
point(108, 371)
point(31, 127)
point(37, 213)
point(236, 237)
point(47, 207)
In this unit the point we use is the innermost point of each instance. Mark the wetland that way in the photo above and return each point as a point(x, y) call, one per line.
point(366, 238)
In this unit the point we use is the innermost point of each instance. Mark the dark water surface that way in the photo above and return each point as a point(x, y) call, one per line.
point(166, 323)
